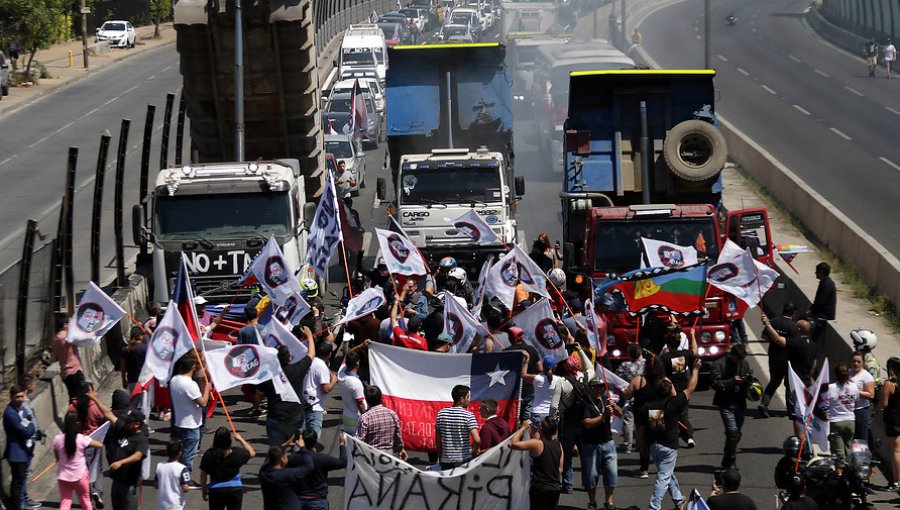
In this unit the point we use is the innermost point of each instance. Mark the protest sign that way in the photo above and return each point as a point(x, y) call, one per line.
point(95, 315)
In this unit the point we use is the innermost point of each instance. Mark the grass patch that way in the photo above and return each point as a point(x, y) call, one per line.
point(879, 304)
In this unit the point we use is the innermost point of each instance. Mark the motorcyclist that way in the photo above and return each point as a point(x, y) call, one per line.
point(784, 470)
point(731, 19)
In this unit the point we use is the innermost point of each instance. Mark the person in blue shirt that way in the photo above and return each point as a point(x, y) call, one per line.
point(19, 431)
point(278, 477)
point(220, 471)
point(312, 490)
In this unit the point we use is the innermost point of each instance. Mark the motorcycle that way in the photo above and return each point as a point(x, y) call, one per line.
point(731, 20)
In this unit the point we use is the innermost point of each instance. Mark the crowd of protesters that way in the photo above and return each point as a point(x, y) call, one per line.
point(567, 408)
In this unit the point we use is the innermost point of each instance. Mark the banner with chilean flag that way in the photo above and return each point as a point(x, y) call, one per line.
point(417, 384)
point(679, 291)
point(183, 297)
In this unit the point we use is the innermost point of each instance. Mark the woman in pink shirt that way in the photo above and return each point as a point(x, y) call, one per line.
point(72, 471)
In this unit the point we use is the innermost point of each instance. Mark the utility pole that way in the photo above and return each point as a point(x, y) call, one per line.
point(707, 36)
point(238, 82)
point(623, 42)
point(84, 45)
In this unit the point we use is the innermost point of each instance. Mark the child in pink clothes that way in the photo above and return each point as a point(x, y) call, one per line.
point(72, 472)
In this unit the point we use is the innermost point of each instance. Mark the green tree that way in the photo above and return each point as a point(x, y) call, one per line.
point(33, 23)
point(159, 10)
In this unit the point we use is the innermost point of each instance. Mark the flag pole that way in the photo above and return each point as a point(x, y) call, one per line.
point(206, 379)
point(346, 267)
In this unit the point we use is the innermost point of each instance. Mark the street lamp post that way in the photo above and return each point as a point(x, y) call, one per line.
point(707, 39)
point(84, 45)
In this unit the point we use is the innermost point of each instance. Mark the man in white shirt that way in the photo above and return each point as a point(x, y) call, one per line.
point(351, 393)
point(320, 380)
point(188, 403)
point(890, 55)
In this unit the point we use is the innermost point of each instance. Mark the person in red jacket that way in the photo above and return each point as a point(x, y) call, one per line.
point(494, 429)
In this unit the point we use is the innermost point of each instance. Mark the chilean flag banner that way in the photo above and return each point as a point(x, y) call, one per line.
point(417, 384)
point(183, 297)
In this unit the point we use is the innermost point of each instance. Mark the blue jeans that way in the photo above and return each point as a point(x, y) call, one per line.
point(568, 443)
point(665, 459)
point(597, 459)
point(190, 441)
point(525, 411)
point(732, 417)
point(313, 504)
point(862, 423)
point(314, 421)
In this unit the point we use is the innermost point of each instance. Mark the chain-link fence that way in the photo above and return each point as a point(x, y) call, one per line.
point(37, 324)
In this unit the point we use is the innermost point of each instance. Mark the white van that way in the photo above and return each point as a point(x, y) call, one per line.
point(363, 53)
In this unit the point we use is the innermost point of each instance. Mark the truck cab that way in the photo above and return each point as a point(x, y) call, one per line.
point(220, 215)
point(435, 188)
point(363, 53)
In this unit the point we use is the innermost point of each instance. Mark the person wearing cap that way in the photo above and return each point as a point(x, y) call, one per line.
point(729, 496)
point(126, 446)
point(317, 384)
point(208, 321)
point(597, 448)
point(133, 357)
point(411, 339)
point(444, 341)
point(534, 367)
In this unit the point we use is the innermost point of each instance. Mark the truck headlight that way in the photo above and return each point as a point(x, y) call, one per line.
point(705, 337)
point(720, 336)
point(713, 350)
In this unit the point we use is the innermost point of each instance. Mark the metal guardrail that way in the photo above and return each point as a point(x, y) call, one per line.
point(879, 18)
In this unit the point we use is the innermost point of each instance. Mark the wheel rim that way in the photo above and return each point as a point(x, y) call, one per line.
point(695, 150)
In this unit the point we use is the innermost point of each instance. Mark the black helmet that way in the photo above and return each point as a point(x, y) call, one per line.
point(791, 446)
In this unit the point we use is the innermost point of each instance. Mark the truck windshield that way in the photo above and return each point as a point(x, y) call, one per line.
point(450, 185)
point(358, 57)
point(618, 247)
point(223, 215)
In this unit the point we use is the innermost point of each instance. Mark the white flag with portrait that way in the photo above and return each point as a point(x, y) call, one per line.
point(473, 226)
point(739, 274)
point(400, 254)
point(241, 364)
point(478, 296)
point(274, 274)
point(541, 330)
point(293, 310)
point(669, 255)
point(96, 314)
point(169, 342)
point(325, 230)
point(363, 304)
point(276, 334)
point(461, 325)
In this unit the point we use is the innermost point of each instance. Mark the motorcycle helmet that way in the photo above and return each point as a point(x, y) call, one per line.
point(457, 273)
point(791, 446)
point(557, 277)
point(448, 263)
point(310, 287)
point(754, 391)
point(864, 339)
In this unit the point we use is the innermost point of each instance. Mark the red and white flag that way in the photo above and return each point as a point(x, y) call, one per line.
point(170, 341)
point(363, 304)
point(461, 325)
point(96, 314)
point(473, 226)
point(596, 328)
point(739, 274)
point(417, 384)
point(400, 254)
point(541, 330)
point(274, 274)
point(358, 118)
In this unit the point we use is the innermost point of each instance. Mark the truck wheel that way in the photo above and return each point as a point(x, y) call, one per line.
point(694, 150)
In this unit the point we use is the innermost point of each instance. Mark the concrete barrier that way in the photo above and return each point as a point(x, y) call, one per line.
point(830, 226)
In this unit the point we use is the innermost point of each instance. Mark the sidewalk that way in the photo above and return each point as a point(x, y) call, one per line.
point(56, 60)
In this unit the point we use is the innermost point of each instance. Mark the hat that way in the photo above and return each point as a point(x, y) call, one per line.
point(134, 415)
point(444, 338)
point(414, 323)
point(573, 363)
point(200, 300)
point(595, 382)
point(515, 333)
point(549, 361)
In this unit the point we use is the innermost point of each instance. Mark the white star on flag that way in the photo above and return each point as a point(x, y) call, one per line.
point(497, 376)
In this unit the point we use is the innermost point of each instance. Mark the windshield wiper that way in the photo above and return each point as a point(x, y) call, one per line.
point(204, 243)
point(472, 201)
point(432, 202)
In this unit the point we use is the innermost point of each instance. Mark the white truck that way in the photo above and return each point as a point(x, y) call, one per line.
point(220, 215)
point(363, 53)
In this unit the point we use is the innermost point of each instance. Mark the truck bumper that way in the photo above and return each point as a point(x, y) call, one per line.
point(469, 257)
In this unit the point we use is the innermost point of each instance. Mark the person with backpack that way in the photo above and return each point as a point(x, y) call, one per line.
point(642, 389)
point(597, 447)
point(569, 400)
point(871, 52)
point(663, 419)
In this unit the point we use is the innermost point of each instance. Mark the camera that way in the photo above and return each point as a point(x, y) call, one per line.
point(719, 475)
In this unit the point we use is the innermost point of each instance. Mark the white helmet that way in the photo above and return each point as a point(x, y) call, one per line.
point(457, 273)
point(557, 277)
point(864, 339)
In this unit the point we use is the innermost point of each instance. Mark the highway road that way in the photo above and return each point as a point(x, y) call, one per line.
point(34, 142)
point(808, 103)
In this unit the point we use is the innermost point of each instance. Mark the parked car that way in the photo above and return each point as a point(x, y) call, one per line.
point(4, 76)
point(119, 33)
point(344, 150)
point(371, 133)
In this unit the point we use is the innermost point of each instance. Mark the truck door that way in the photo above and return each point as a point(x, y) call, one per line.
point(749, 228)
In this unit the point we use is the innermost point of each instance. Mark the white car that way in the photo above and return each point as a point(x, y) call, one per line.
point(367, 85)
point(120, 34)
point(345, 151)
point(485, 14)
point(466, 16)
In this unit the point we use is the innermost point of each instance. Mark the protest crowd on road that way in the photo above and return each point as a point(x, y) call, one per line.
point(448, 370)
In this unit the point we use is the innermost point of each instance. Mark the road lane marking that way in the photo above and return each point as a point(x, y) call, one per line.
point(95, 110)
point(7, 160)
point(769, 90)
point(698, 37)
point(745, 73)
point(851, 89)
point(167, 68)
point(722, 58)
point(888, 108)
point(132, 89)
point(111, 101)
point(821, 73)
point(795, 59)
point(42, 140)
point(151, 77)
point(839, 133)
point(891, 163)
point(802, 110)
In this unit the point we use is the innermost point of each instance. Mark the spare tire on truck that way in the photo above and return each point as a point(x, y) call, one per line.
point(694, 150)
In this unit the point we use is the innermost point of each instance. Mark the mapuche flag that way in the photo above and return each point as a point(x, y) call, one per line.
point(678, 291)
point(417, 384)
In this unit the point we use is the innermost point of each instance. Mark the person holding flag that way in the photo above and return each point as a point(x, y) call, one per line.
point(597, 448)
point(802, 355)
point(188, 402)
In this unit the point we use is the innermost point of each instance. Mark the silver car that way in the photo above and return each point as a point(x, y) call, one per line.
point(346, 151)
point(341, 103)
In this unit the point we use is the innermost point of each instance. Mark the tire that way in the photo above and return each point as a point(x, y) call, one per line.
point(695, 150)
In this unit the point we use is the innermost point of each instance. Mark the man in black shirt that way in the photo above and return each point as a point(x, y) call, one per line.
point(517, 343)
point(678, 363)
point(729, 378)
point(662, 417)
point(597, 449)
point(787, 328)
point(126, 446)
point(284, 418)
point(277, 477)
point(729, 497)
point(313, 489)
point(824, 305)
point(802, 355)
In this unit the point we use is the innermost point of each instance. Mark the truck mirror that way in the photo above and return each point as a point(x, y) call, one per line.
point(520, 185)
point(569, 254)
point(309, 212)
point(380, 188)
point(137, 224)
